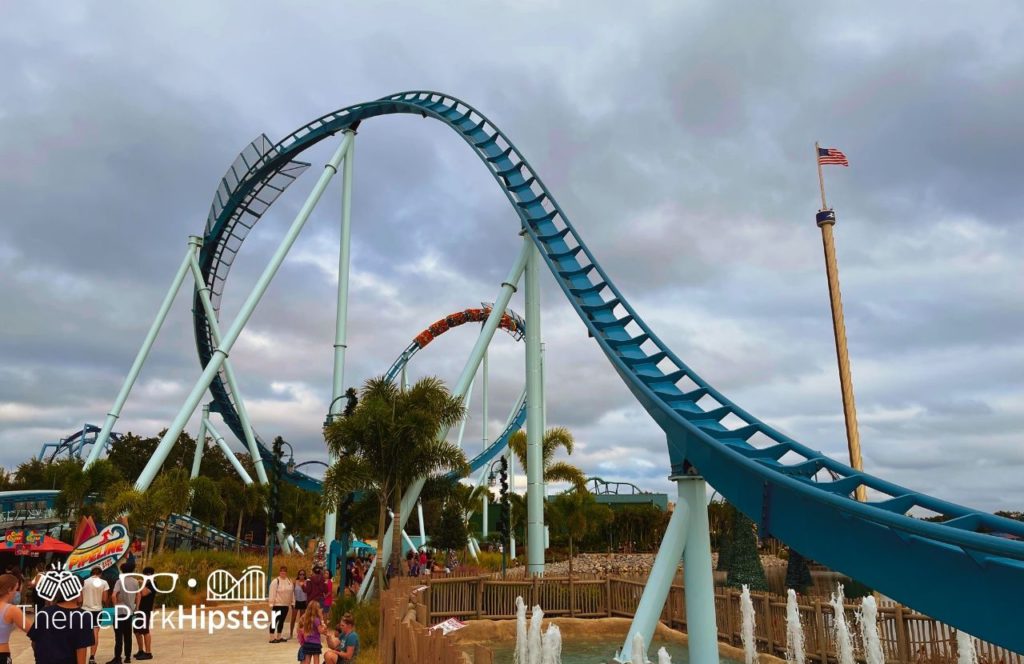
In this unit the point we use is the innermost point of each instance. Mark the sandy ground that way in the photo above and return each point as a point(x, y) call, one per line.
point(194, 646)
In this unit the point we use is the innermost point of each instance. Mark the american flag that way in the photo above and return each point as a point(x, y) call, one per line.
point(831, 156)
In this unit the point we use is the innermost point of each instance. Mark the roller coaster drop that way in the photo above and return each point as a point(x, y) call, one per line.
point(966, 571)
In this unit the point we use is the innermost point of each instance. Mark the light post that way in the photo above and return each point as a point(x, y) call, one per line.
point(343, 510)
point(504, 520)
point(275, 489)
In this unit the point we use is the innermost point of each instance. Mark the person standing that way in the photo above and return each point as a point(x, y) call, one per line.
point(11, 615)
point(37, 600)
point(316, 588)
point(94, 593)
point(300, 599)
point(311, 626)
point(281, 598)
point(125, 600)
point(144, 617)
point(328, 594)
point(61, 632)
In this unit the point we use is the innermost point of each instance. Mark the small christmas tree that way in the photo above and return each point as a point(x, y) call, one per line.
point(451, 533)
point(744, 560)
point(798, 573)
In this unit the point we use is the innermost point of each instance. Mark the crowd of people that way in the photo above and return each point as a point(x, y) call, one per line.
point(66, 628)
point(308, 599)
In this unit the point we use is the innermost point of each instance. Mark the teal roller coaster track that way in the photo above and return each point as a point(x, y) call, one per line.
point(967, 571)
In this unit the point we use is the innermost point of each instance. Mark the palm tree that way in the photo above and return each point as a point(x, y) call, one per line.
point(169, 493)
point(77, 484)
point(392, 438)
point(554, 471)
point(206, 502)
point(577, 514)
point(122, 498)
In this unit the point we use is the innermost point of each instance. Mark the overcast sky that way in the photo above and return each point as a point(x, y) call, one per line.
point(677, 136)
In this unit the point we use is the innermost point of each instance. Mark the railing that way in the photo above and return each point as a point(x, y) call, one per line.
point(405, 634)
point(906, 637)
point(14, 516)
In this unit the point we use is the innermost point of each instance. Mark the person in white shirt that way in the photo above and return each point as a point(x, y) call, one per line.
point(126, 601)
point(94, 594)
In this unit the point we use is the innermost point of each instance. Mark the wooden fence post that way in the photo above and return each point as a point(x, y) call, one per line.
point(902, 639)
point(572, 599)
point(819, 631)
point(768, 626)
point(728, 617)
point(608, 595)
point(480, 597)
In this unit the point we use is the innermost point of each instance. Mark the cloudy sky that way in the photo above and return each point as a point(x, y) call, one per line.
point(678, 137)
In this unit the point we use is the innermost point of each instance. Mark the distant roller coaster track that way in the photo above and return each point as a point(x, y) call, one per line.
point(967, 571)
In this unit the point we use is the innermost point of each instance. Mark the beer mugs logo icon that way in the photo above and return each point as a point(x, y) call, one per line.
point(222, 586)
point(58, 584)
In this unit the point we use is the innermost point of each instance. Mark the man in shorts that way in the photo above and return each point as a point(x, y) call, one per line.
point(94, 594)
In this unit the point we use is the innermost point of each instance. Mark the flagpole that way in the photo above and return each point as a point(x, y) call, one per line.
point(821, 178)
point(826, 219)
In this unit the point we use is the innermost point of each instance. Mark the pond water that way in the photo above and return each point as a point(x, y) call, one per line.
point(599, 651)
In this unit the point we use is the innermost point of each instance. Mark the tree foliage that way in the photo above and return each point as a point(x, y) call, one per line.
point(554, 471)
point(391, 438)
point(575, 515)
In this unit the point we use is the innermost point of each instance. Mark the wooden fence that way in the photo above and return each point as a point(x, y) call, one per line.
point(405, 634)
point(907, 637)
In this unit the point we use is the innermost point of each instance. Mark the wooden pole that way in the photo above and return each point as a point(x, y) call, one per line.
point(825, 223)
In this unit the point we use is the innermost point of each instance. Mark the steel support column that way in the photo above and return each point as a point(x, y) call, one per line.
point(211, 320)
point(648, 611)
point(140, 358)
point(534, 419)
point(232, 459)
point(508, 287)
point(221, 352)
point(701, 627)
point(197, 457)
point(341, 319)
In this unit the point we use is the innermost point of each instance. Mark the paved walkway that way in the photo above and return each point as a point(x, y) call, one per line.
point(187, 646)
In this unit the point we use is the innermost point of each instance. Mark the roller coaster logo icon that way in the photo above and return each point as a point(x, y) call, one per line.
point(222, 586)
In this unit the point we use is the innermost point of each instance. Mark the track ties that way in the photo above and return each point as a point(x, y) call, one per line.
point(803, 469)
point(520, 188)
point(648, 359)
point(604, 306)
point(713, 416)
point(562, 255)
point(601, 325)
point(554, 236)
point(504, 155)
point(487, 142)
point(572, 274)
point(842, 487)
point(547, 216)
point(505, 172)
point(533, 201)
point(634, 341)
point(742, 433)
point(899, 504)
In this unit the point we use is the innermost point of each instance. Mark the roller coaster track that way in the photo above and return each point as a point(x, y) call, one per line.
point(966, 571)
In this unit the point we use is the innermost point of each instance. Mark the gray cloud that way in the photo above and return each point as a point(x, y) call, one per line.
point(678, 140)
